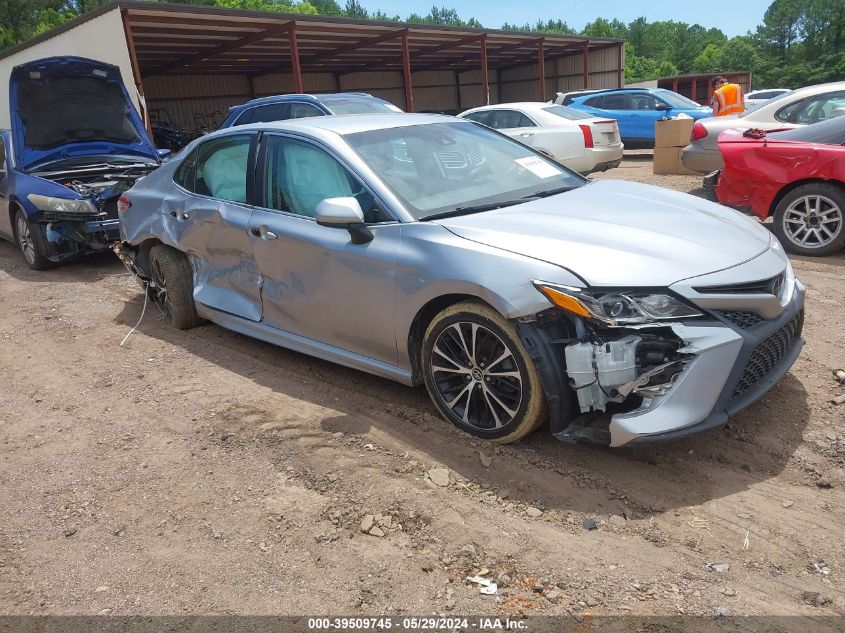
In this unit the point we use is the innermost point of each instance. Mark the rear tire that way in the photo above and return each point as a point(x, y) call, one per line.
point(810, 220)
point(30, 242)
point(479, 375)
point(172, 288)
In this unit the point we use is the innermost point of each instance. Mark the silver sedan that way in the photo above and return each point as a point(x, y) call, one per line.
point(431, 250)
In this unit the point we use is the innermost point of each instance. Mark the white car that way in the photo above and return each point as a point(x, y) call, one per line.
point(576, 140)
point(758, 97)
point(793, 109)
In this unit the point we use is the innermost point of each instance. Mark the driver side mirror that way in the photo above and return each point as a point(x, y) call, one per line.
point(663, 107)
point(344, 213)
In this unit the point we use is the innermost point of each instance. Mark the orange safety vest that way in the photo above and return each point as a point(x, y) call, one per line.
point(730, 99)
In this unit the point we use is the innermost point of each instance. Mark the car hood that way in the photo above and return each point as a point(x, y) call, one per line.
point(69, 107)
point(616, 233)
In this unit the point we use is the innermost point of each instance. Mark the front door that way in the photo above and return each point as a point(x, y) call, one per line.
point(315, 282)
point(211, 224)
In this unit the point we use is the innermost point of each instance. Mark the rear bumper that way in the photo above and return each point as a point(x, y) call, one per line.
point(701, 160)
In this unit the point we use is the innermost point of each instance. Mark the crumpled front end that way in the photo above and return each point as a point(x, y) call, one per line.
point(86, 222)
point(623, 384)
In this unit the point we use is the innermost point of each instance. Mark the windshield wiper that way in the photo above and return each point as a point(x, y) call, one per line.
point(548, 192)
point(478, 208)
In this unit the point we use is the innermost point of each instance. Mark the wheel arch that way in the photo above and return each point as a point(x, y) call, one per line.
point(423, 318)
point(787, 189)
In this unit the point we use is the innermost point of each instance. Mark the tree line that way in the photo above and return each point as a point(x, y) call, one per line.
point(799, 42)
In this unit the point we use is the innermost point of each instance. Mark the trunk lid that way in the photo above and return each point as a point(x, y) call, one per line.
point(70, 107)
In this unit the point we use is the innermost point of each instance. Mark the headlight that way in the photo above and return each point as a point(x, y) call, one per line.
point(617, 308)
point(61, 205)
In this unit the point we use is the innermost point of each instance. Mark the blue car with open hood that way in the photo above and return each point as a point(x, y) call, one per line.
point(76, 143)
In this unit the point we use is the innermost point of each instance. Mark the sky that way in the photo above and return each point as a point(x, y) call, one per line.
point(733, 17)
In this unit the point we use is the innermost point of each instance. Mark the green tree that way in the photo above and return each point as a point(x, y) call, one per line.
point(354, 9)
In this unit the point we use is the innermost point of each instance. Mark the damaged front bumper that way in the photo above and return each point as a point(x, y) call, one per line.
point(725, 363)
point(67, 235)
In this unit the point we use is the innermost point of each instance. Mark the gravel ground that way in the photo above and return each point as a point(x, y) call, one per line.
point(204, 472)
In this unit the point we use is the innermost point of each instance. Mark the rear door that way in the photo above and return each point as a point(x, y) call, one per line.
point(209, 220)
point(645, 114)
point(617, 106)
point(516, 125)
point(315, 282)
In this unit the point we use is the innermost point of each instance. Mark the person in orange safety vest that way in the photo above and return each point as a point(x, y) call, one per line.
point(727, 98)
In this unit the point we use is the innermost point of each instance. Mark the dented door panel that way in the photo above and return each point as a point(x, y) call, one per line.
point(215, 234)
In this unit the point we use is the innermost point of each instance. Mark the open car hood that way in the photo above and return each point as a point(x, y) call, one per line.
point(67, 107)
point(617, 233)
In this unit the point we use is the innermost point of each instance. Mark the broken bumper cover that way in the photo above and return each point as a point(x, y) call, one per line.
point(732, 367)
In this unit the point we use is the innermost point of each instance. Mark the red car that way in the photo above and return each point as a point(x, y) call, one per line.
point(797, 176)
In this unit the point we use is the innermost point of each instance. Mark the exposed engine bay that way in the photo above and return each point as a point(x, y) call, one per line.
point(92, 222)
point(602, 371)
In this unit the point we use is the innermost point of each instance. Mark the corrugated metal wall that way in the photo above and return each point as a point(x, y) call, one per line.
point(562, 75)
point(194, 101)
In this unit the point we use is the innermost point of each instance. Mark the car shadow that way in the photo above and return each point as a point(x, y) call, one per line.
point(88, 268)
point(538, 470)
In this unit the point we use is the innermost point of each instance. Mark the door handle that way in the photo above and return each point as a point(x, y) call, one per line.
point(263, 232)
point(179, 216)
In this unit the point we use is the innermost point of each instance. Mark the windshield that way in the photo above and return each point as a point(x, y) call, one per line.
point(451, 167)
point(830, 132)
point(676, 100)
point(568, 113)
point(360, 106)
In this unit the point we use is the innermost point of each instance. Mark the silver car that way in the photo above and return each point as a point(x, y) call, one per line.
point(790, 110)
point(432, 250)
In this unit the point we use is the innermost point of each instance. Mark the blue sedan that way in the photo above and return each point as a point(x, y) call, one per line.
point(636, 110)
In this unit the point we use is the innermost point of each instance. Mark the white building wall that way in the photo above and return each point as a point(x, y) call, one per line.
point(100, 38)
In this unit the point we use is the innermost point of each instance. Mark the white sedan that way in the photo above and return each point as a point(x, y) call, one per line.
point(759, 97)
point(577, 140)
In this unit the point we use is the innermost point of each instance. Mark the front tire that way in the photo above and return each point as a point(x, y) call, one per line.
point(479, 375)
point(810, 220)
point(30, 242)
point(172, 287)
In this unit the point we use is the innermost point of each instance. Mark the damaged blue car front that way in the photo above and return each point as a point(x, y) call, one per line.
point(76, 144)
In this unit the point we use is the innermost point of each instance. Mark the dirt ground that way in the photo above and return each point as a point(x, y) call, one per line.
point(204, 472)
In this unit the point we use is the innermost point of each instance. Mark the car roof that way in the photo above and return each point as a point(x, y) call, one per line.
point(820, 88)
point(516, 105)
point(350, 123)
point(320, 98)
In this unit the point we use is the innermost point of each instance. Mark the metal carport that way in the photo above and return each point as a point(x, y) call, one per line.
point(188, 59)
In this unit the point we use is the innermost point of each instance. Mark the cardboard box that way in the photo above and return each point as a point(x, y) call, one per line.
point(667, 160)
point(672, 132)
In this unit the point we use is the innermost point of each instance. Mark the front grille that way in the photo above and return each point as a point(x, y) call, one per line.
point(771, 286)
point(743, 320)
point(768, 354)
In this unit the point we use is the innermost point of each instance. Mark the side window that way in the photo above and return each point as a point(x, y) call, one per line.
point(617, 102)
point(303, 110)
point(820, 108)
point(299, 176)
point(2, 156)
point(595, 102)
point(265, 114)
point(218, 168)
point(643, 102)
point(186, 172)
point(786, 114)
point(506, 119)
point(485, 118)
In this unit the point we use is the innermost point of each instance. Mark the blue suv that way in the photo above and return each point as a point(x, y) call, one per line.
point(636, 110)
point(298, 106)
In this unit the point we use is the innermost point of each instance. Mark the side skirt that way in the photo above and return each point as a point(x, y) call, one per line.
point(297, 343)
